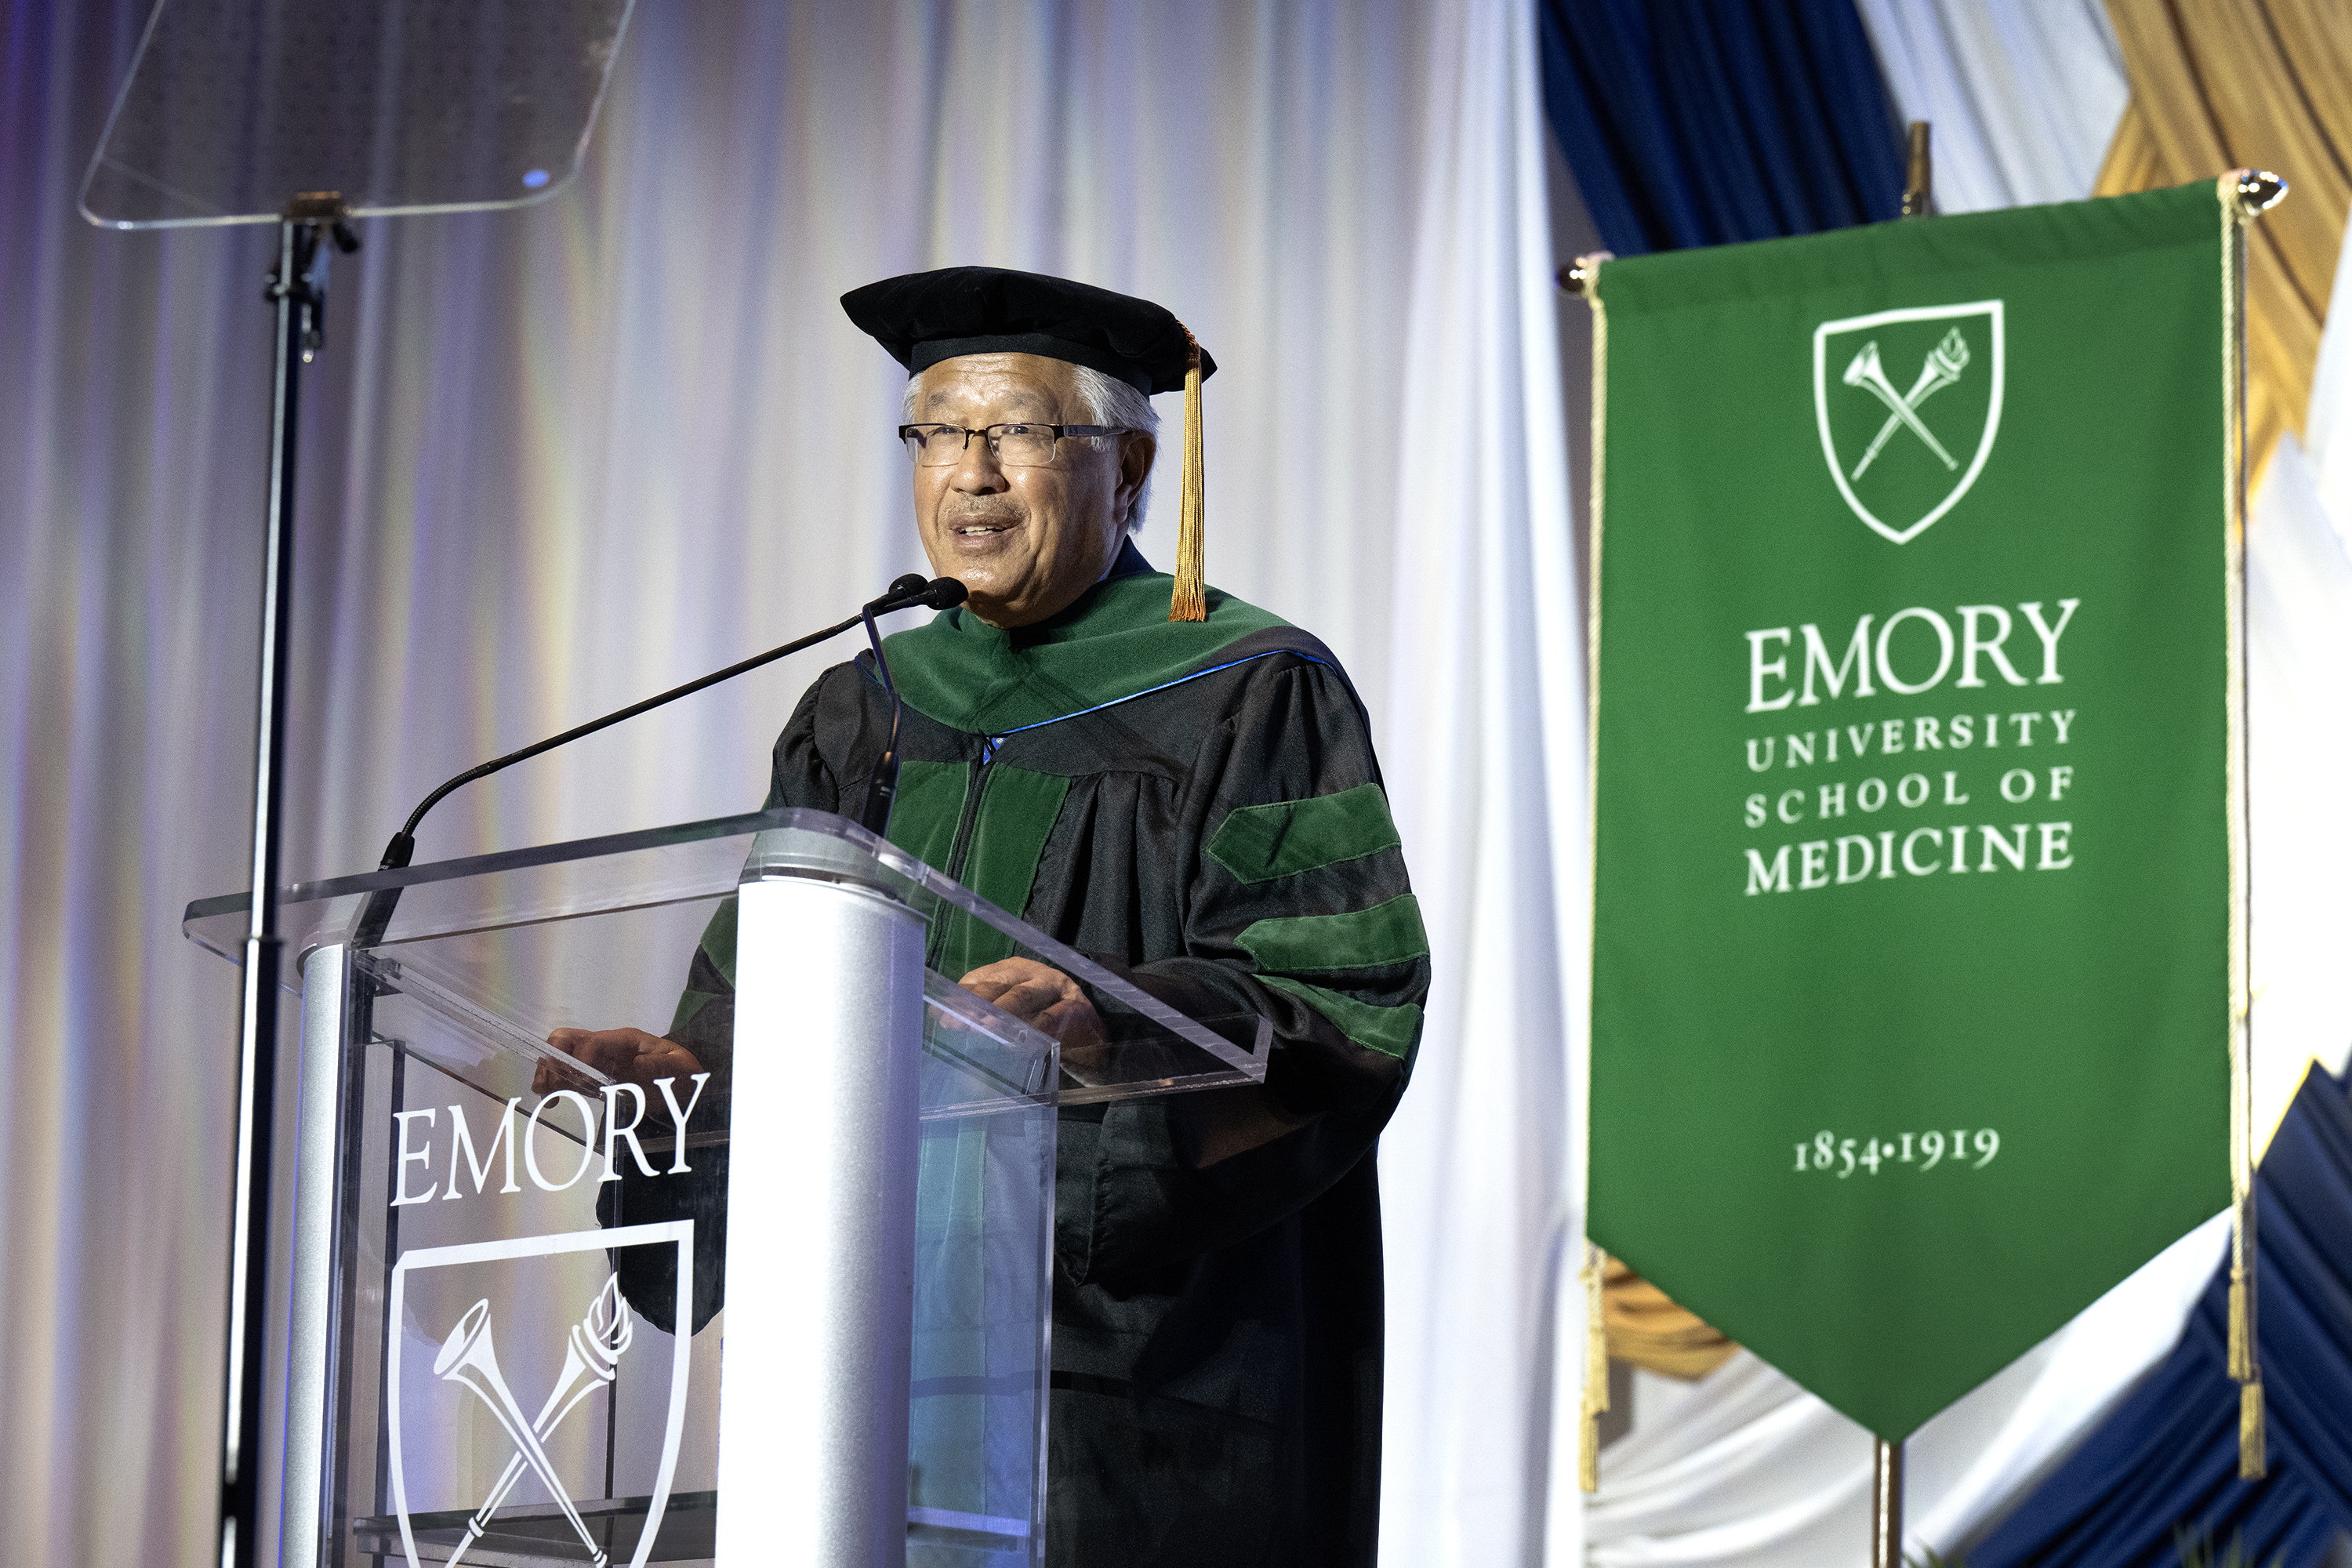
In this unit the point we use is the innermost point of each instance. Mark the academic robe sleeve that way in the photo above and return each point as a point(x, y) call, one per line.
point(1298, 910)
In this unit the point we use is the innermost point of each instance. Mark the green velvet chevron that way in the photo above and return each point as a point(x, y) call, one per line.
point(1261, 843)
point(1390, 1031)
point(1388, 932)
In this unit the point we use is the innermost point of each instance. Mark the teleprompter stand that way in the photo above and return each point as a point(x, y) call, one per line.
point(339, 110)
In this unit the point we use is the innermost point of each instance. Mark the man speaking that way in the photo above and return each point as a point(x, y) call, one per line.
point(1191, 799)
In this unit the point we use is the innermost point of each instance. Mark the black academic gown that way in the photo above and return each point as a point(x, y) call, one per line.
point(1196, 806)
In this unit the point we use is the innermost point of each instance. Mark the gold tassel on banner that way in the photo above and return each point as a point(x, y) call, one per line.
point(1191, 600)
point(1596, 1372)
point(1585, 278)
point(2244, 194)
point(2241, 1361)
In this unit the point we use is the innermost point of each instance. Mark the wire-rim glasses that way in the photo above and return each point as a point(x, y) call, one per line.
point(1015, 446)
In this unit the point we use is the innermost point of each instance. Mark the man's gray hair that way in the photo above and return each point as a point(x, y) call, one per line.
point(1106, 401)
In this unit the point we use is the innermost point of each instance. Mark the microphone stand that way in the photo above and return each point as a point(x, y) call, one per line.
point(906, 594)
point(882, 787)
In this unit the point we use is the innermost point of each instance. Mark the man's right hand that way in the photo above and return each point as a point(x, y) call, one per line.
point(631, 1056)
point(1042, 997)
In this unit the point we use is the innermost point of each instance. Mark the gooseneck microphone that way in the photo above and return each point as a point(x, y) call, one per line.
point(882, 785)
point(907, 593)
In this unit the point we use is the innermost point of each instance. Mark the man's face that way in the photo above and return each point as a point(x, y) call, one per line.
point(1026, 541)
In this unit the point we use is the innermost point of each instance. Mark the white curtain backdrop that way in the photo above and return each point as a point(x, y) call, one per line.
point(2023, 94)
point(1487, 773)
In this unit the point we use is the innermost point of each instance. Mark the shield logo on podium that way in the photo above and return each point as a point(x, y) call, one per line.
point(470, 1382)
point(1908, 403)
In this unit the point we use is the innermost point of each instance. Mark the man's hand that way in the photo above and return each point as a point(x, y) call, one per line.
point(631, 1056)
point(1042, 997)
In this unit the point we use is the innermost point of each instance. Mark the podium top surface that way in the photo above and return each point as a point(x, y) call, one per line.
point(233, 107)
point(597, 933)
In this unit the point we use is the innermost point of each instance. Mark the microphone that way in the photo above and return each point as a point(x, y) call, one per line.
point(907, 593)
point(882, 787)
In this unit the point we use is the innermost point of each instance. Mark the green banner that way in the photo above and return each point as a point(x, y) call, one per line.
point(1913, 855)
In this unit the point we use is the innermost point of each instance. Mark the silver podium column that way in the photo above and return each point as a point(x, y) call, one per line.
point(305, 1528)
point(821, 1216)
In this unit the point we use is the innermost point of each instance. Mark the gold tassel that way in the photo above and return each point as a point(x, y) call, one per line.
point(1191, 600)
point(1596, 1372)
point(2241, 1360)
point(2245, 1364)
point(2253, 1464)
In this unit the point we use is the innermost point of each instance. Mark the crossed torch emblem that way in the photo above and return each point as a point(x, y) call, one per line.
point(590, 1361)
point(1945, 362)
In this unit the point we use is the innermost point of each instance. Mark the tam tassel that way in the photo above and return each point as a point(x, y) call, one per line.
point(2253, 1464)
point(1189, 601)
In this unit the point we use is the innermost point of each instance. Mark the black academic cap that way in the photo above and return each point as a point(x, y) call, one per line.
point(926, 317)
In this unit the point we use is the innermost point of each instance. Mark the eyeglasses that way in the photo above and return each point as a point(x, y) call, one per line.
point(1015, 445)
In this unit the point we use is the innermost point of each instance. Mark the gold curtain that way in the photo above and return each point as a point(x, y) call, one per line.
point(2264, 84)
point(1646, 1328)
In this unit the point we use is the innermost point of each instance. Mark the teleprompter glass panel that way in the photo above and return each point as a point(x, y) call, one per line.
point(235, 107)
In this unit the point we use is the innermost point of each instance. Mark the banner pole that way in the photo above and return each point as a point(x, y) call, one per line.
point(1919, 173)
point(1886, 1507)
point(1886, 1478)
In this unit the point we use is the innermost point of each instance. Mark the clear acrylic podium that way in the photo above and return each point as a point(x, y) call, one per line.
point(507, 1340)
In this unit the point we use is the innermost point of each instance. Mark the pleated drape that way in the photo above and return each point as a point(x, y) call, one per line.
point(1480, 1172)
point(2023, 94)
point(2266, 84)
point(1711, 121)
point(2166, 1460)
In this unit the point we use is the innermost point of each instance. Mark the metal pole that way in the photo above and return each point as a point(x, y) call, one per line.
point(1886, 1478)
point(297, 297)
point(257, 1041)
point(819, 1292)
point(1886, 1507)
point(1919, 173)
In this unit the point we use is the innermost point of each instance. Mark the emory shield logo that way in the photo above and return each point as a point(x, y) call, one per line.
point(469, 1384)
point(1908, 402)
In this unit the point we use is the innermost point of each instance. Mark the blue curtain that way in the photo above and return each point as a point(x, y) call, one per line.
point(2169, 1453)
point(1706, 121)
